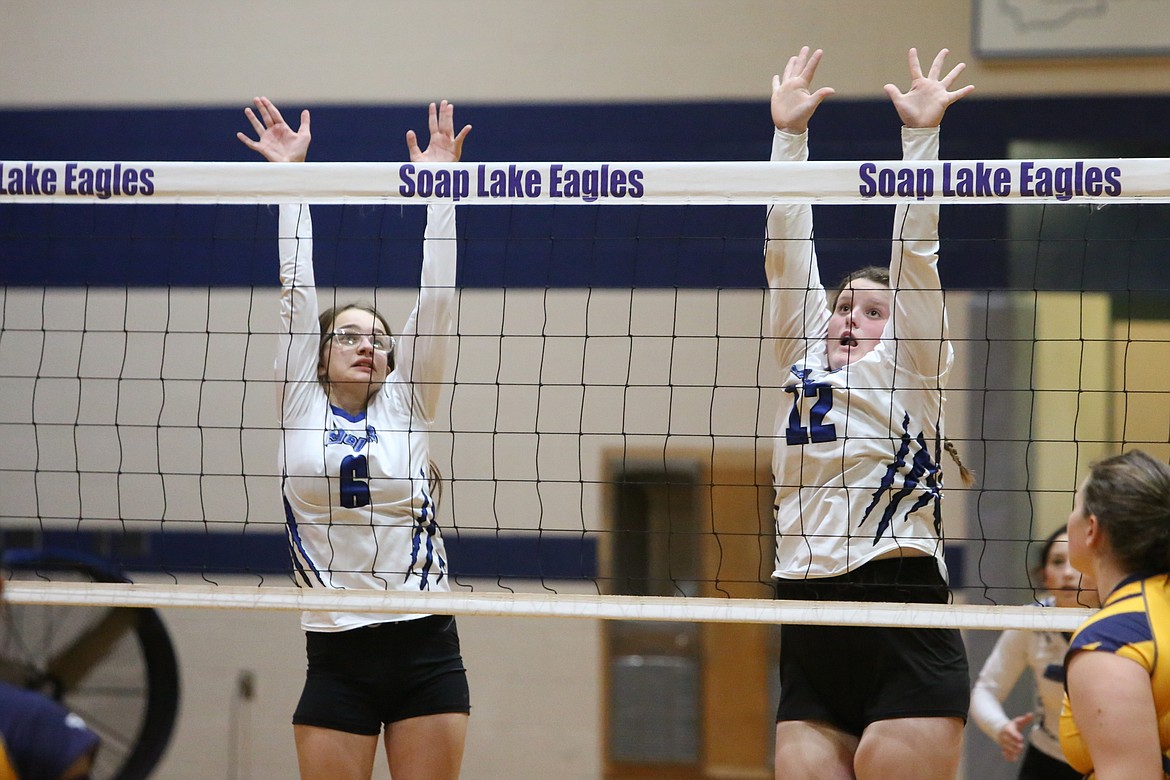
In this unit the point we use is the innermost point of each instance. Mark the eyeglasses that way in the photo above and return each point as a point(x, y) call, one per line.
point(382, 342)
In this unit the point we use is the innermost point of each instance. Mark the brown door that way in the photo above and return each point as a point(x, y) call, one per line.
point(688, 700)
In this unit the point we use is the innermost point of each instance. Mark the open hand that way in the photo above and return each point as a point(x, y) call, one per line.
point(1011, 737)
point(277, 141)
point(930, 95)
point(792, 103)
point(444, 145)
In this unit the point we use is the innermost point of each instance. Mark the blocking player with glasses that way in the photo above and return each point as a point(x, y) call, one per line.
point(360, 492)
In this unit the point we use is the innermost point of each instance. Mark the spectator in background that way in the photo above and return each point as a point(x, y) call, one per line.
point(40, 739)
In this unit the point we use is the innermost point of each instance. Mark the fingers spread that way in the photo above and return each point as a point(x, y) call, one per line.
point(446, 118)
point(266, 110)
point(954, 74)
point(915, 65)
point(252, 120)
point(274, 114)
point(936, 66)
point(248, 142)
point(459, 139)
point(810, 66)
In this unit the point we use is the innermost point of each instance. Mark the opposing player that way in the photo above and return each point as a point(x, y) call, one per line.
point(1116, 719)
point(355, 406)
point(1035, 734)
point(856, 470)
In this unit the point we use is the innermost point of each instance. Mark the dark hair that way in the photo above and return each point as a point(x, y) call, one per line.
point(1046, 547)
point(1130, 496)
point(329, 316)
point(873, 273)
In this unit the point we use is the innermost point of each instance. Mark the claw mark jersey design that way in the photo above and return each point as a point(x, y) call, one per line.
point(1134, 623)
point(856, 459)
point(358, 506)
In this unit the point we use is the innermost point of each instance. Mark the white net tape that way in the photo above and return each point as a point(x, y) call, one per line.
point(651, 183)
point(546, 605)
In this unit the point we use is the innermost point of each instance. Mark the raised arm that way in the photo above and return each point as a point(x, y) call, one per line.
point(797, 304)
point(422, 347)
point(298, 348)
point(918, 321)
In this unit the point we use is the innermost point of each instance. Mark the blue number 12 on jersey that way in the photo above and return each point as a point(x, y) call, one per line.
point(817, 431)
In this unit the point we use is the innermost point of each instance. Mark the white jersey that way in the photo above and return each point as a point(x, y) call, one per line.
point(1016, 650)
point(358, 505)
point(856, 457)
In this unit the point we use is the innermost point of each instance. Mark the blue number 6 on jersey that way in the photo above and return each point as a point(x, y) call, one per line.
point(354, 491)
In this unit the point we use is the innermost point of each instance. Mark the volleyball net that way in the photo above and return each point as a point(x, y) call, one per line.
point(608, 414)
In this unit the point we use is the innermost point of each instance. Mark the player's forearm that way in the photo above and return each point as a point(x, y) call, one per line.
point(920, 321)
point(297, 343)
point(796, 298)
point(788, 247)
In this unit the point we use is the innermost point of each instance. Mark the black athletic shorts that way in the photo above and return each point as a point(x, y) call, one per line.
point(851, 676)
point(360, 679)
point(1041, 766)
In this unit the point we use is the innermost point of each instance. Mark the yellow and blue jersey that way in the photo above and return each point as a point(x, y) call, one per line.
point(1133, 623)
point(7, 771)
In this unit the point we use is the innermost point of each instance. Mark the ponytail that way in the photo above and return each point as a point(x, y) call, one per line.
point(967, 475)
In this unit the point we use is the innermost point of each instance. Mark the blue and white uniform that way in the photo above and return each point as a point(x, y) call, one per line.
point(856, 459)
point(857, 479)
point(357, 499)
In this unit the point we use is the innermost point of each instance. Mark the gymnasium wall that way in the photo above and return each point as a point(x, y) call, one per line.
point(574, 80)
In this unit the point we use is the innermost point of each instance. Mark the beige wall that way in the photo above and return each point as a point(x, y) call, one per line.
point(140, 52)
point(57, 53)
